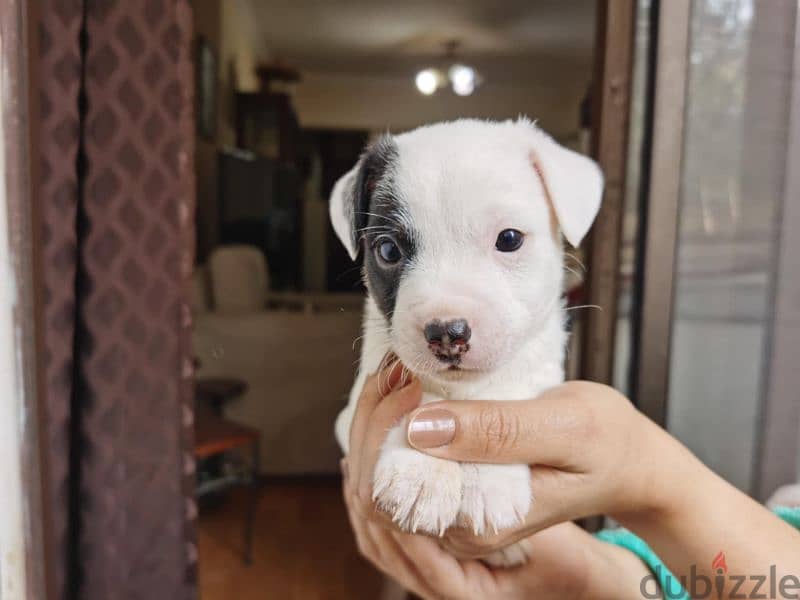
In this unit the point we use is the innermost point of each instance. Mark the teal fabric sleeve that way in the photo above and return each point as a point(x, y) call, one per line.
point(666, 581)
point(790, 514)
point(671, 586)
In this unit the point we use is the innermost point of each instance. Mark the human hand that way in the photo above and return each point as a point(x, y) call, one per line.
point(591, 452)
point(566, 561)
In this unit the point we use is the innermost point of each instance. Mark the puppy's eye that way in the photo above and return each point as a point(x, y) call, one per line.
point(388, 251)
point(509, 240)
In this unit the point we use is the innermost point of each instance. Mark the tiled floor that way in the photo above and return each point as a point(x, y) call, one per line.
point(303, 547)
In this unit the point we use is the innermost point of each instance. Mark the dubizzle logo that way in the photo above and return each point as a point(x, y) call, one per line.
point(718, 564)
point(730, 585)
point(720, 567)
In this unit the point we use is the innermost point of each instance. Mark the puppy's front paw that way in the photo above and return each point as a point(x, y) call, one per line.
point(419, 492)
point(495, 497)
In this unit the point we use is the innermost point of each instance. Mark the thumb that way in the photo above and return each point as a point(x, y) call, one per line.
point(548, 430)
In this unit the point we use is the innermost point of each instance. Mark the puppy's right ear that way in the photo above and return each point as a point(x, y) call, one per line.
point(352, 194)
point(342, 210)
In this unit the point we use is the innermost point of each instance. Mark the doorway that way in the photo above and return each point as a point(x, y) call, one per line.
point(296, 105)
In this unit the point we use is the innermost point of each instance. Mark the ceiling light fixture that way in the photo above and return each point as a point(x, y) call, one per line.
point(463, 79)
point(427, 81)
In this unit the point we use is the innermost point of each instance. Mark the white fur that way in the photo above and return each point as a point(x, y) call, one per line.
point(464, 182)
point(341, 213)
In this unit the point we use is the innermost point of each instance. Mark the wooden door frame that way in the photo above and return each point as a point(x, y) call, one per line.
point(614, 52)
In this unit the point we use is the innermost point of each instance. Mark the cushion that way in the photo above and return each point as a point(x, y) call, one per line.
point(239, 279)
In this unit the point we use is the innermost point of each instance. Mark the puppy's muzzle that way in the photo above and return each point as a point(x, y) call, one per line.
point(448, 340)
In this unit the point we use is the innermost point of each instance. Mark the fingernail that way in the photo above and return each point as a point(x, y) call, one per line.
point(431, 428)
point(388, 358)
point(393, 376)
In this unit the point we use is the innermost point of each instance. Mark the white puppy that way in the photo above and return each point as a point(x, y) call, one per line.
point(457, 226)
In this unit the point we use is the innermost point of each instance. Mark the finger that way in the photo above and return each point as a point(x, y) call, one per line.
point(399, 565)
point(551, 429)
point(386, 416)
point(365, 543)
point(390, 375)
point(367, 401)
point(365, 509)
point(555, 553)
point(464, 544)
point(438, 569)
point(375, 544)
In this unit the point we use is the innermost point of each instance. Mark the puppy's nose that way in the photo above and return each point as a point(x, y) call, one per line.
point(448, 340)
point(456, 330)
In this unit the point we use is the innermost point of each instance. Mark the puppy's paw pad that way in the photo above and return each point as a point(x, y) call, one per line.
point(419, 492)
point(496, 497)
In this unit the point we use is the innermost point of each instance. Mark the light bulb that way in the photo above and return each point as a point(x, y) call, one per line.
point(427, 81)
point(463, 79)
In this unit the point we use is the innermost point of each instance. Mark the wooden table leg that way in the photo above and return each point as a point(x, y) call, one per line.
point(253, 505)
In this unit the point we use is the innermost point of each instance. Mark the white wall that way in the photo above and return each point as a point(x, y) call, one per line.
point(241, 50)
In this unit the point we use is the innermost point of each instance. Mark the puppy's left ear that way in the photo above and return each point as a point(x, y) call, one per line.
point(573, 182)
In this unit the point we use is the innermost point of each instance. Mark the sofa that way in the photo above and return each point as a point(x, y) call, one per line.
point(296, 352)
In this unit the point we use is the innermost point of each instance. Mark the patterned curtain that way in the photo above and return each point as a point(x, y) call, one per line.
point(57, 72)
point(117, 210)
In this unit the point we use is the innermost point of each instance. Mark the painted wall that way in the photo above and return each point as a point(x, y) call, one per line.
point(241, 50)
point(228, 27)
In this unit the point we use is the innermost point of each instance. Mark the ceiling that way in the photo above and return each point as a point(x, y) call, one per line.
point(505, 39)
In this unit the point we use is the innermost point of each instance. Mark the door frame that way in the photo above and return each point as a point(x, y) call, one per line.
point(779, 427)
point(615, 41)
point(659, 212)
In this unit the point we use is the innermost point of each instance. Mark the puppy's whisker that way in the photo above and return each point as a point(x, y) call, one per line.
point(378, 229)
point(377, 216)
point(576, 259)
point(600, 308)
point(358, 339)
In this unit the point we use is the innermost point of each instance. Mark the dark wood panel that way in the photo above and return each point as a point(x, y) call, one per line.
point(616, 20)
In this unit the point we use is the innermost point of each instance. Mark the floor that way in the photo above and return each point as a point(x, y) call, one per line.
point(303, 547)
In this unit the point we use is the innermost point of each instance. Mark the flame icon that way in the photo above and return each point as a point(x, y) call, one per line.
point(719, 564)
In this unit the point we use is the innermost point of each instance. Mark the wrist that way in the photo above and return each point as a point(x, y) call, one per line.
point(654, 487)
point(615, 573)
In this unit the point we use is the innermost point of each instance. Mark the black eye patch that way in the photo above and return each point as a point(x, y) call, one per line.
point(378, 217)
point(388, 248)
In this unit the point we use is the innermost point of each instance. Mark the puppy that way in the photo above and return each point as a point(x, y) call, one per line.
point(458, 226)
